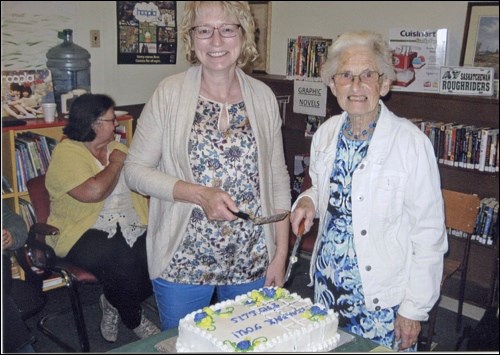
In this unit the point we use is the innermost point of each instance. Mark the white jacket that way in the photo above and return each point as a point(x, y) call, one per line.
point(398, 213)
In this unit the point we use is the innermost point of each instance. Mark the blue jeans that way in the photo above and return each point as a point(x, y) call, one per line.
point(175, 300)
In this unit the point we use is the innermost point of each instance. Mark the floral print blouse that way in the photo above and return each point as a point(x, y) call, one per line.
point(222, 252)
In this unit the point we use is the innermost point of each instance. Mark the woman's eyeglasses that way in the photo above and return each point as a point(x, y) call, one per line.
point(109, 120)
point(366, 77)
point(206, 32)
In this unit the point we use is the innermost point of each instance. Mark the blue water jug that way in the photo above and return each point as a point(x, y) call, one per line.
point(69, 65)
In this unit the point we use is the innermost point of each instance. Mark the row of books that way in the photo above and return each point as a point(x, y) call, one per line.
point(486, 229)
point(27, 212)
point(463, 146)
point(305, 56)
point(33, 152)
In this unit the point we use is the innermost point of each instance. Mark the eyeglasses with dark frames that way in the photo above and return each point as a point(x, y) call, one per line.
point(366, 77)
point(225, 30)
point(114, 120)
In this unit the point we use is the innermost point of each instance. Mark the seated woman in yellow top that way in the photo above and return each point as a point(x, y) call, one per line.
point(101, 222)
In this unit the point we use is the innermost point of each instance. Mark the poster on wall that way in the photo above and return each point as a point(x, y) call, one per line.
point(147, 32)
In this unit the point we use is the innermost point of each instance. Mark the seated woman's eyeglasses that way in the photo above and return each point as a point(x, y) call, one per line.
point(110, 120)
point(367, 77)
point(206, 32)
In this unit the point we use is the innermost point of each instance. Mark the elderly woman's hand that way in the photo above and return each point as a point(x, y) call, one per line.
point(304, 210)
point(407, 331)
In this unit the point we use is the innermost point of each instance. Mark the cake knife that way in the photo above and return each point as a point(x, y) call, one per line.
point(262, 220)
point(293, 257)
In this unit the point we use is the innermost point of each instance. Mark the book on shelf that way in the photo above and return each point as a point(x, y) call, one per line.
point(462, 146)
point(486, 222)
point(50, 283)
point(15, 268)
point(6, 186)
point(305, 56)
point(312, 124)
point(33, 153)
point(24, 91)
point(301, 164)
point(27, 212)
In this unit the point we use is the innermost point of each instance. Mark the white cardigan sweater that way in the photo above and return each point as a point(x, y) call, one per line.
point(398, 213)
point(158, 158)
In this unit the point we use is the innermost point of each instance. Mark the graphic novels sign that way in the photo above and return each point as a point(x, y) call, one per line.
point(309, 98)
point(466, 81)
point(147, 32)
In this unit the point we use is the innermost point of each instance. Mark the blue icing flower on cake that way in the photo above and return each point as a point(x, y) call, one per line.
point(315, 313)
point(205, 318)
point(245, 345)
point(257, 297)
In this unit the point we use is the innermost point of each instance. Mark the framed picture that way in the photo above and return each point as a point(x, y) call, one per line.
point(261, 11)
point(480, 44)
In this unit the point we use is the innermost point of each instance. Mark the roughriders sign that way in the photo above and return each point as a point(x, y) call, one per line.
point(466, 81)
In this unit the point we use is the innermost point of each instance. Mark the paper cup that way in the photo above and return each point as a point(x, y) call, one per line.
point(49, 112)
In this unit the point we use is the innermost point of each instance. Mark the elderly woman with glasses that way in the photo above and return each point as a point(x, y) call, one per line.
point(378, 258)
point(207, 145)
point(101, 222)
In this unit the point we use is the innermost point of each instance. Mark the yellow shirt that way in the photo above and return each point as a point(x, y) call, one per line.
point(71, 165)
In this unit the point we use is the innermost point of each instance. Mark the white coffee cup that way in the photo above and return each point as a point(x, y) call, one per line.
point(49, 111)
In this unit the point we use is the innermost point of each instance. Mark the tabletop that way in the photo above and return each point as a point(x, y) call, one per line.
point(356, 344)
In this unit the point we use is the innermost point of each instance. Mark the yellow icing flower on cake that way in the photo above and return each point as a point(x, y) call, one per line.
point(280, 293)
point(256, 297)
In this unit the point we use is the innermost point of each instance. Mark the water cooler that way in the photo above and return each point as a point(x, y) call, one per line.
point(70, 68)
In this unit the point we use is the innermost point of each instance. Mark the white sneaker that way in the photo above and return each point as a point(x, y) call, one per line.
point(109, 322)
point(146, 328)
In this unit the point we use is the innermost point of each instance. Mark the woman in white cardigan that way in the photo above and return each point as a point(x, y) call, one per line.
point(378, 258)
point(208, 144)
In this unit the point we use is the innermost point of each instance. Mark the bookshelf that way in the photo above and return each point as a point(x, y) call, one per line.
point(480, 111)
point(39, 126)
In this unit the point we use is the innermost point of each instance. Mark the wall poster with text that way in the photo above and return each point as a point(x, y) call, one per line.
point(147, 32)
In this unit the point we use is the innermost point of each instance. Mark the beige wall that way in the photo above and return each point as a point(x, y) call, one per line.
point(132, 84)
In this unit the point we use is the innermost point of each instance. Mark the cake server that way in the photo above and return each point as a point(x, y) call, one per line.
point(262, 220)
point(293, 255)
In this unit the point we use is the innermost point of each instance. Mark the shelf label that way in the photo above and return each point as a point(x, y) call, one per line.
point(466, 81)
point(309, 97)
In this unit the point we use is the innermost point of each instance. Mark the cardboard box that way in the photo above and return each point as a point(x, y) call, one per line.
point(418, 56)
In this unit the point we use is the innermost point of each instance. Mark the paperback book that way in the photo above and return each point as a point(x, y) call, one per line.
point(24, 91)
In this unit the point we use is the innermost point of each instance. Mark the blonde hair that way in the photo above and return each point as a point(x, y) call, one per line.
point(368, 39)
point(239, 9)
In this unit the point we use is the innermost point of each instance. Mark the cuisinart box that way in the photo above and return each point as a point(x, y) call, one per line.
point(418, 56)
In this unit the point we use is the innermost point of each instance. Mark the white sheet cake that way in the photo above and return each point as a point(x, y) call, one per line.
point(264, 320)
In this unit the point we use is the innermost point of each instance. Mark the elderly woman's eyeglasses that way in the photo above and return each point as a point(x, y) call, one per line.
point(206, 32)
point(366, 77)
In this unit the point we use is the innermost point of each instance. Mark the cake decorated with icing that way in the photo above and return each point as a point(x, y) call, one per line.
point(266, 320)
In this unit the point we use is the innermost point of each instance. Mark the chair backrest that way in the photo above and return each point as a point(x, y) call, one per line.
point(39, 197)
point(460, 210)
